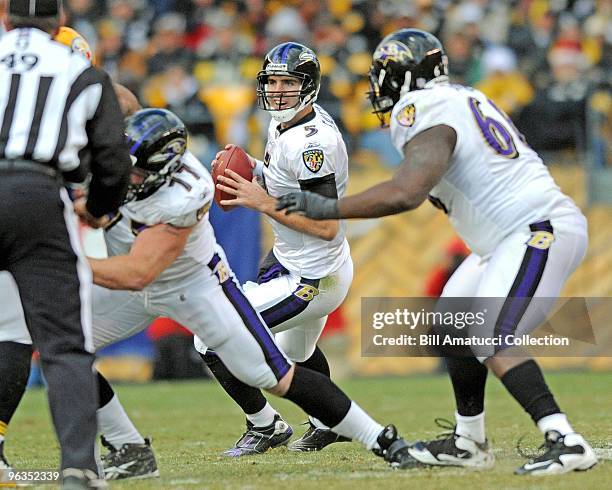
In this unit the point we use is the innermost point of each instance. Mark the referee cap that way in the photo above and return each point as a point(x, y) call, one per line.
point(34, 8)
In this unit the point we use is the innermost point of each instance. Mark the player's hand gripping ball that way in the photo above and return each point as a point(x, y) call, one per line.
point(236, 159)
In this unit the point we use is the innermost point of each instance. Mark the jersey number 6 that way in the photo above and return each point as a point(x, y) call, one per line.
point(494, 132)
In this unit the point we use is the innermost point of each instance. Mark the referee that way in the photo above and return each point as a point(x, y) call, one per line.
point(59, 120)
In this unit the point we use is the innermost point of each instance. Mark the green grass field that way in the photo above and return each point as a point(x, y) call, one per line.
point(191, 423)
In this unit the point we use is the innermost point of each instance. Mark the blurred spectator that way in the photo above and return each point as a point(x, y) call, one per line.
point(133, 20)
point(463, 58)
point(556, 118)
point(167, 44)
point(502, 82)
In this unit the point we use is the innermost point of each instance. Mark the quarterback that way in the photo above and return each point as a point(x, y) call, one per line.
point(527, 237)
point(308, 272)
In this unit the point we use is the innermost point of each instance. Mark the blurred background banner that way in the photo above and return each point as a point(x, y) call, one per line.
point(547, 63)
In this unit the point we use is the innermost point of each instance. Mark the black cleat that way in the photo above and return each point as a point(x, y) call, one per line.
point(452, 449)
point(75, 479)
point(315, 439)
point(129, 461)
point(562, 455)
point(257, 440)
point(394, 449)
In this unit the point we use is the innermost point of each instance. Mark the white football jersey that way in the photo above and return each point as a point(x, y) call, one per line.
point(182, 202)
point(312, 149)
point(495, 182)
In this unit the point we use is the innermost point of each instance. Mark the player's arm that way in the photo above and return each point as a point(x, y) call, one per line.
point(426, 160)
point(152, 252)
point(252, 195)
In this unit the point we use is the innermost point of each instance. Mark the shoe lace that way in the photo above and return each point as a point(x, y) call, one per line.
point(446, 438)
point(533, 455)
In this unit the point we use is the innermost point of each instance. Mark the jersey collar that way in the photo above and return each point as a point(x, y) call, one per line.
point(308, 117)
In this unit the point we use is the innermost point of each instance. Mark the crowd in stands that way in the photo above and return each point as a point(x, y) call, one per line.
point(540, 60)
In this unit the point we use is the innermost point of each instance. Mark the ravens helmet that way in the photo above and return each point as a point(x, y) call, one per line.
point(157, 139)
point(405, 60)
point(294, 60)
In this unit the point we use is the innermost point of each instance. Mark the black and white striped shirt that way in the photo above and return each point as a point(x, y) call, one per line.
point(56, 109)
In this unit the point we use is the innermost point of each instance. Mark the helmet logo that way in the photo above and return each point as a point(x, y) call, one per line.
point(393, 51)
point(306, 56)
point(175, 147)
point(405, 117)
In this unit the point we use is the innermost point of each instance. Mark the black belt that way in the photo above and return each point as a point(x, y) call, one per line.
point(28, 166)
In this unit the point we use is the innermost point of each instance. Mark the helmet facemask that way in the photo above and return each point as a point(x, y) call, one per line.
point(269, 100)
point(145, 181)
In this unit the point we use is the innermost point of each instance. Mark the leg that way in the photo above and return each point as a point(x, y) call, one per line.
point(299, 318)
point(130, 455)
point(15, 355)
point(466, 444)
point(54, 282)
point(300, 344)
point(544, 268)
point(14, 371)
point(237, 333)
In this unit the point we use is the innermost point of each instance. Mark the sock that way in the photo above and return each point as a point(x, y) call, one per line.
point(469, 378)
point(471, 427)
point(526, 384)
point(556, 421)
point(262, 418)
point(317, 362)
point(113, 422)
point(319, 397)
point(359, 426)
point(14, 372)
point(250, 399)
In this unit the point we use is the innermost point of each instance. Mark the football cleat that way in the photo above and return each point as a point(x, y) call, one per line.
point(257, 440)
point(315, 439)
point(562, 454)
point(394, 449)
point(452, 449)
point(129, 461)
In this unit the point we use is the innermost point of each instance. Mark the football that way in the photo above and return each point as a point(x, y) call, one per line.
point(236, 159)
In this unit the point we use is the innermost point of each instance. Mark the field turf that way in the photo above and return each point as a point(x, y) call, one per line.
point(191, 423)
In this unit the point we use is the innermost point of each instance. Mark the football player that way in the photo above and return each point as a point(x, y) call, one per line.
point(527, 237)
point(164, 261)
point(308, 272)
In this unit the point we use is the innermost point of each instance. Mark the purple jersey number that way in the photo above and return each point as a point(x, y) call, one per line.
point(494, 132)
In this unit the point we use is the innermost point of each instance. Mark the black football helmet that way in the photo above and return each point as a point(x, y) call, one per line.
point(157, 140)
point(405, 60)
point(295, 60)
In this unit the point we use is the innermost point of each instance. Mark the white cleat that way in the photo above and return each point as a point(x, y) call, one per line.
point(452, 449)
point(563, 454)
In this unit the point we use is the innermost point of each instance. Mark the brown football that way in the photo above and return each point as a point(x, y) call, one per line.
point(236, 159)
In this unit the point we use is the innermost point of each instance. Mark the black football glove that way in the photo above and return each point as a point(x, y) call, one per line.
point(308, 204)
